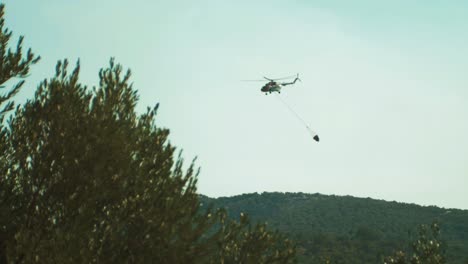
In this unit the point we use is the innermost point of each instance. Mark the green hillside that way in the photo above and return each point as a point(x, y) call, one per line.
point(346, 229)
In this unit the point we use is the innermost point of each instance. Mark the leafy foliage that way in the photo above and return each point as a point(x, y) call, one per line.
point(12, 64)
point(242, 243)
point(85, 169)
point(426, 249)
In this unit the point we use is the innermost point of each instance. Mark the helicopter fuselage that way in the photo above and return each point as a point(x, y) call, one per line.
point(271, 87)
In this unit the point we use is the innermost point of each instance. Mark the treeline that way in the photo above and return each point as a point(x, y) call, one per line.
point(348, 229)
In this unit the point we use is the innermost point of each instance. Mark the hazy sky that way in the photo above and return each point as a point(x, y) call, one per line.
point(385, 85)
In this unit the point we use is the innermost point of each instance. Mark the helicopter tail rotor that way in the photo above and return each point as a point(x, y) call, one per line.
point(297, 78)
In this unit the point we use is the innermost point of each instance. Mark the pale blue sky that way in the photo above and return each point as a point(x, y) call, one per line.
point(384, 85)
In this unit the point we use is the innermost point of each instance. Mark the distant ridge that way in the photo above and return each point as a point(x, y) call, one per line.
point(358, 229)
point(305, 195)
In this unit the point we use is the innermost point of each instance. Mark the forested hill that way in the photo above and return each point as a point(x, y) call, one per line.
point(346, 229)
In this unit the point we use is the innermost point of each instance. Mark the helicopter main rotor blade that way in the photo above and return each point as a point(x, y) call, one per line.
point(283, 78)
point(252, 80)
point(276, 79)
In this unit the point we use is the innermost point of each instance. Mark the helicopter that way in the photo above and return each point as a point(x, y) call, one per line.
point(274, 86)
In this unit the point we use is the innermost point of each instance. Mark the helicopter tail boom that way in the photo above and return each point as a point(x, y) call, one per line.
point(293, 82)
